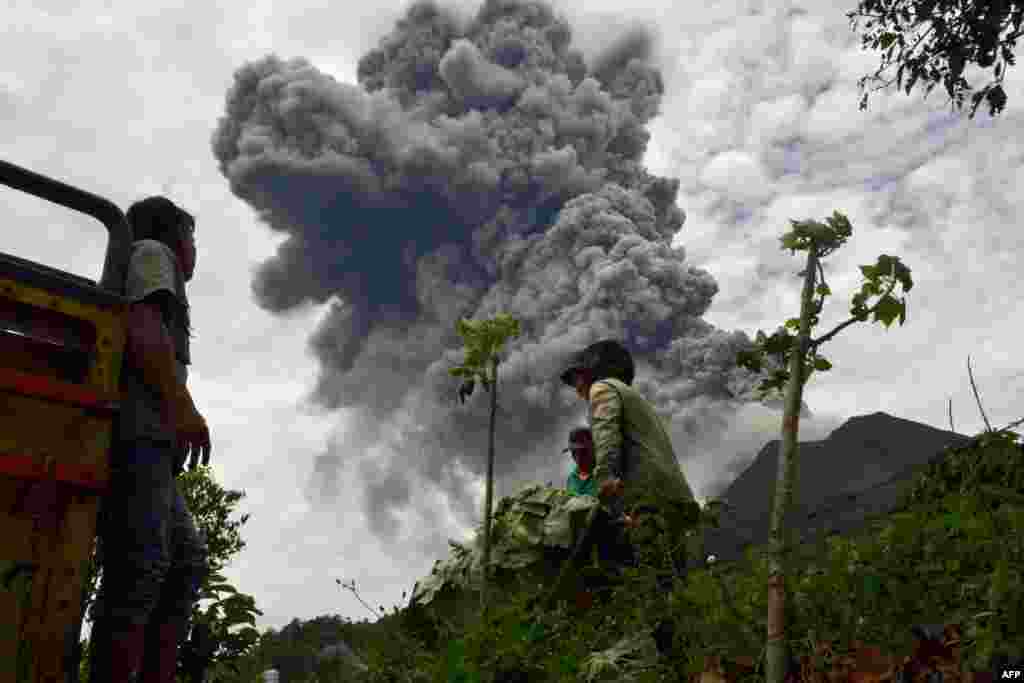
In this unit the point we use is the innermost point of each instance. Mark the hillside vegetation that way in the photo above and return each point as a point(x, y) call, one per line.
point(934, 586)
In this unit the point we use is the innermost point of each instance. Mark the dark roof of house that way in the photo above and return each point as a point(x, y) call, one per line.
point(856, 458)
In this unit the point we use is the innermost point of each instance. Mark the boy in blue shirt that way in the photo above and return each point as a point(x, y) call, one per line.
point(581, 446)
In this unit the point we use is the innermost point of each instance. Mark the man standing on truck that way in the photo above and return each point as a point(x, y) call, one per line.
point(154, 559)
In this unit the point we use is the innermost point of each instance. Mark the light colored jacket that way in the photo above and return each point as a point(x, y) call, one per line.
point(632, 442)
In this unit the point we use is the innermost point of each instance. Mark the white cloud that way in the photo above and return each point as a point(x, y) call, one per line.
point(777, 119)
point(712, 96)
point(813, 63)
point(834, 115)
point(947, 176)
point(738, 175)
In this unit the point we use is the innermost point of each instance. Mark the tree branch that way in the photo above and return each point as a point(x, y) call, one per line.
point(814, 343)
point(977, 398)
point(352, 587)
point(904, 56)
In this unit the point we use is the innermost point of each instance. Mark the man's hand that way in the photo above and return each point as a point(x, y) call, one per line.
point(193, 436)
point(611, 489)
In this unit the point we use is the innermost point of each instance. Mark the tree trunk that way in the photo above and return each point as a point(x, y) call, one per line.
point(490, 485)
point(776, 654)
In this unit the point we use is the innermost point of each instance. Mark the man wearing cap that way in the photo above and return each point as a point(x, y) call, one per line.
point(633, 454)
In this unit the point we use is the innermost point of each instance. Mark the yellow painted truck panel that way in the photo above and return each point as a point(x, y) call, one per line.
point(61, 343)
point(59, 362)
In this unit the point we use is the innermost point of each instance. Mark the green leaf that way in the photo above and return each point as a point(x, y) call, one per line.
point(952, 520)
point(466, 328)
point(793, 324)
point(823, 290)
point(750, 360)
point(872, 584)
point(821, 363)
point(888, 309)
point(790, 241)
point(886, 39)
point(779, 343)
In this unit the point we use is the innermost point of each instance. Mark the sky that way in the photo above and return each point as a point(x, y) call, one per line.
point(342, 229)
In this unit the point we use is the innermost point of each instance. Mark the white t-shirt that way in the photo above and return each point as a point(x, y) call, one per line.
point(153, 267)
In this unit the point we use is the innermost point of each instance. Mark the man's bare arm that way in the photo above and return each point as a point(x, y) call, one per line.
point(152, 350)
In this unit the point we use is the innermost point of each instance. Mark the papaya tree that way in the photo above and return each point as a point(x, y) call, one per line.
point(483, 341)
point(799, 358)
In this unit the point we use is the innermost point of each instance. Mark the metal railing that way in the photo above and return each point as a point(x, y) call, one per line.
point(119, 232)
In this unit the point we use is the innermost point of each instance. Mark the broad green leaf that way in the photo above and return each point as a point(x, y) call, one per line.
point(951, 520)
point(790, 242)
point(779, 343)
point(888, 309)
point(821, 363)
point(749, 359)
point(872, 288)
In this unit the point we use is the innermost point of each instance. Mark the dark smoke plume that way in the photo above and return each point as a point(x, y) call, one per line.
point(478, 168)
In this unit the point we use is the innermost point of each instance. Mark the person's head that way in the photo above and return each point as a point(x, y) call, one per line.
point(601, 360)
point(581, 447)
point(158, 218)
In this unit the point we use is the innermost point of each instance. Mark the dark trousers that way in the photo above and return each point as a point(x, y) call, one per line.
point(153, 557)
point(614, 549)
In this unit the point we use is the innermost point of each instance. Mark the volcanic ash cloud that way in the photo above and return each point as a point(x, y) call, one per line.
point(478, 167)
